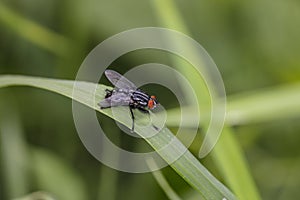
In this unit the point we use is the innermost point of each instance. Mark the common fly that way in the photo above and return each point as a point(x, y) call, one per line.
point(126, 94)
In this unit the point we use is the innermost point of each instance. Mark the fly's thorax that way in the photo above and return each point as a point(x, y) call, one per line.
point(122, 90)
point(140, 98)
point(144, 99)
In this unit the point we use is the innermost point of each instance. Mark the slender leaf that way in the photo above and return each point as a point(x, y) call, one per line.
point(34, 32)
point(52, 172)
point(186, 165)
point(170, 16)
point(264, 105)
point(158, 175)
point(37, 195)
point(252, 107)
point(13, 148)
point(226, 152)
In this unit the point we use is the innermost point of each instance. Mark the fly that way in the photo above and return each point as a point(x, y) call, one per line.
point(126, 94)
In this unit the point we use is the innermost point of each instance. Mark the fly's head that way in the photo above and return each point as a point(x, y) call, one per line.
point(152, 102)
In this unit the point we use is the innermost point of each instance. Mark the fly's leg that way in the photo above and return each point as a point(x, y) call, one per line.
point(108, 93)
point(105, 101)
point(131, 107)
point(143, 110)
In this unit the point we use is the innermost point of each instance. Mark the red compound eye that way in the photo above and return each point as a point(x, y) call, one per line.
point(151, 103)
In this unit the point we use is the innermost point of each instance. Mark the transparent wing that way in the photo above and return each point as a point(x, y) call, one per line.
point(117, 99)
point(119, 81)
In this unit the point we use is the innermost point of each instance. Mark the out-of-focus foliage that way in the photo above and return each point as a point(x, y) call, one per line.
point(255, 44)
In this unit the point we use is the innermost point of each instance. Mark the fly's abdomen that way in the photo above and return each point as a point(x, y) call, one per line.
point(115, 97)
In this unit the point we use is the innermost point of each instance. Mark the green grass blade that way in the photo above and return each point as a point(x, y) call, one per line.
point(169, 16)
point(13, 149)
point(160, 179)
point(252, 107)
point(53, 172)
point(34, 32)
point(37, 195)
point(234, 167)
point(187, 165)
point(264, 105)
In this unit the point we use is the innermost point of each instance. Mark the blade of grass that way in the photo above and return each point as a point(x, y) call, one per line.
point(170, 17)
point(264, 105)
point(37, 195)
point(13, 149)
point(237, 173)
point(34, 32)
point(159, 177)
point(107, 184)
point(108, 181)
point(52, 172)
point(187, 166)
point(258, 106)
point(18, 160)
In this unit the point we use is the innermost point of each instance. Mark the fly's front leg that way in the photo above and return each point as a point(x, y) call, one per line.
point(143, 110)
point(108, 93)
point(106, 102)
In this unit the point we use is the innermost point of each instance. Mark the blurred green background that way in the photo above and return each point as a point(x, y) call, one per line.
point(255, 44)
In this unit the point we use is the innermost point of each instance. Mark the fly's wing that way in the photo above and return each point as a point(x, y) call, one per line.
point(118, 80)
point(117, 99)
